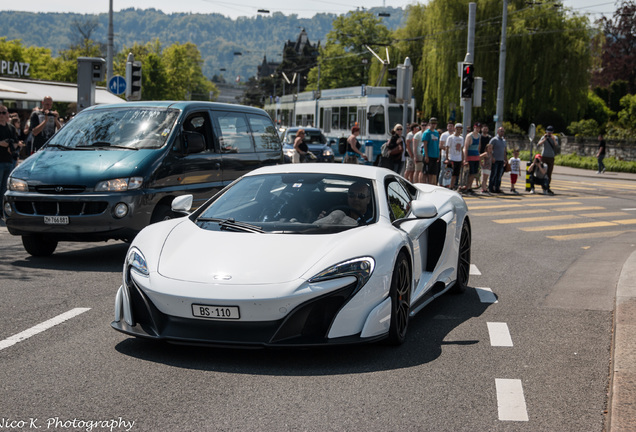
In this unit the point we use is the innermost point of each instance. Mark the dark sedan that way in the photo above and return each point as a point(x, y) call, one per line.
point(316, 141)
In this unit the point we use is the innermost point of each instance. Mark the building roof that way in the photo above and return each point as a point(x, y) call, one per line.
point(32, 90)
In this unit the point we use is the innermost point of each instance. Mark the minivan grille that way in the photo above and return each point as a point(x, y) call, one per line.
point(60, 189)
point(56, 208)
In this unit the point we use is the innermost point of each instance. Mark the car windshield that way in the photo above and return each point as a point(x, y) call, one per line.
point(311, 137)
point(130, 128)
point(292, 203)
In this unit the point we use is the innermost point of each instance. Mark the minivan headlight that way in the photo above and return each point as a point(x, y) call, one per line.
point(17, 185)
point(119, 184)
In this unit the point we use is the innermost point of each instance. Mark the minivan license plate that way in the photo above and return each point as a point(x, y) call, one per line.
point(215, 312)
point(56, 220)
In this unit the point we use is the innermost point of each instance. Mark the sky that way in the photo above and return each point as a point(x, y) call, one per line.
point(236, 8)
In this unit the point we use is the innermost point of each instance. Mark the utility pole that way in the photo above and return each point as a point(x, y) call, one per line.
point(109, 48)
point(467, 103)
point(502, 69)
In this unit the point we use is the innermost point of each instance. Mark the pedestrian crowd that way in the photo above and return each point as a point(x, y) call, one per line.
point(422, 153)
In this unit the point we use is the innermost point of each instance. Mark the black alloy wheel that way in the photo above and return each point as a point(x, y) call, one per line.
point(400, 294)
point(463, 260)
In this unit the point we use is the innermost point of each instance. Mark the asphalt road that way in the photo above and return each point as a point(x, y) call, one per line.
point(527, 347)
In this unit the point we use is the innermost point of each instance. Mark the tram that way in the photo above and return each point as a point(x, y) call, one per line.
point(335, 111)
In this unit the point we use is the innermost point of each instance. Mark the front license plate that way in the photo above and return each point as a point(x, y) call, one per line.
point(215, 312)
point(56, 220)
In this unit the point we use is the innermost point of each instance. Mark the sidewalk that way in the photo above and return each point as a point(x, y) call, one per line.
point(621, 414)
point(607, 175)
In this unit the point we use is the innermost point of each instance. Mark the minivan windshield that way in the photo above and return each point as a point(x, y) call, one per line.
point(132, 128)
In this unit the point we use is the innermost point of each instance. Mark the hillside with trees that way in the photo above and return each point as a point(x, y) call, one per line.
point(216, 36)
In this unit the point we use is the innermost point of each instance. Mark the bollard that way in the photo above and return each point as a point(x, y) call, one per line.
point(528, 186)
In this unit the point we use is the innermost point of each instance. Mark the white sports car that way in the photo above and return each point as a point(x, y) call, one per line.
point(297, 255)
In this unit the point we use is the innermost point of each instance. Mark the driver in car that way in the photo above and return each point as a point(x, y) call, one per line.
point(357, 212)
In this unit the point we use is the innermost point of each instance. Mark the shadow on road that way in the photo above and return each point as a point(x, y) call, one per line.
point(425, 339)
point(82, 258)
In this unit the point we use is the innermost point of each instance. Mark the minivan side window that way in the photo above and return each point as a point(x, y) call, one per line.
point(264, 133)
point(199, 122)
point(233, 133)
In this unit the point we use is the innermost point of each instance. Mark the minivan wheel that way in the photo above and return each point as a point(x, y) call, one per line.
point(39, 245)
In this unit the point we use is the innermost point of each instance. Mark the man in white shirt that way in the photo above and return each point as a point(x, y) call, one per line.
point(418, 174)
point(455, 153)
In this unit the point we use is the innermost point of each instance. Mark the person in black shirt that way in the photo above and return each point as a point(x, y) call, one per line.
point(9, 143)
point(600, 155)
point(43, 124)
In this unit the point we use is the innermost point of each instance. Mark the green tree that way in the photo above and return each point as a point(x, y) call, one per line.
point(547, 62)
point(627, 116)
point(341, 58)
point(185, 80)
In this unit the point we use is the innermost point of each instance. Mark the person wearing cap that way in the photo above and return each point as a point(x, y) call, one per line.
point(430, 145)
point(455, 154)
point(549, 142)
point(471, 156)
point(499, 156)
point(539, 174)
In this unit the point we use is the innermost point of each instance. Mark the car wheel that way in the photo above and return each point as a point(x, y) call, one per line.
point(400, 294)
point(162, 213)
point(39, 245)
point(463, 261)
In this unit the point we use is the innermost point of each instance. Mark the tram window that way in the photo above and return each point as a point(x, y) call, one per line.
point(334, 119)
point(353, 117)
point(395, 116)
point(375, 117)
point(343, 118)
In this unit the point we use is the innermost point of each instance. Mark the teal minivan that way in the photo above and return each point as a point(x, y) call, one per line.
point(114, 169)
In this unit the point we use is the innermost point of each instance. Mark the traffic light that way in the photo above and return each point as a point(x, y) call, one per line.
point(467, 80)
point(392, 77)
point(133, 80)
point(479, 91)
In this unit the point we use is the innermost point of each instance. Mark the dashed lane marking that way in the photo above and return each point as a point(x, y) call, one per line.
point(486, 295)
point(510, 400)
point(499, 334)
point(10, 341)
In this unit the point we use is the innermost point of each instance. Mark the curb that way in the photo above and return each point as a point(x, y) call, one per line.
point(621, 407)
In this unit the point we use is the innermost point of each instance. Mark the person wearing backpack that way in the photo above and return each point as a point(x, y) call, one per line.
point(353, 152)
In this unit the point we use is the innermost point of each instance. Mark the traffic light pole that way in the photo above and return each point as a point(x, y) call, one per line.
point(502, 68)
point(467, 103)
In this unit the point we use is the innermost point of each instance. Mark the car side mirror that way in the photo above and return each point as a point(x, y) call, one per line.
point(193, 142)
point(423, 210)
point(182, 204)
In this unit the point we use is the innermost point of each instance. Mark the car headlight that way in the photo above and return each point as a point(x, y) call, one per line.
point(136, 260)
point(360, 268)
point(119, 185)
point(289, 152)
point(17, 185)
point(327, 152)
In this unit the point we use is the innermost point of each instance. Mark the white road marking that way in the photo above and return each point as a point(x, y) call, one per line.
point(39, 328)
point(499, 334)
point(486, 295)
point(510, 400)
point(474, 270)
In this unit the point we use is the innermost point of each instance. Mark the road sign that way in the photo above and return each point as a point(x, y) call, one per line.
point(117, 85)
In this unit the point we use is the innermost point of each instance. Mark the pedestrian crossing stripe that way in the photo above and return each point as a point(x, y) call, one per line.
point(589, 235)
